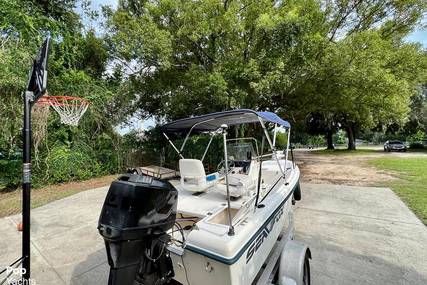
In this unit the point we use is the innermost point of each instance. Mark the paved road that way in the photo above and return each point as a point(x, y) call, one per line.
point(358, 235)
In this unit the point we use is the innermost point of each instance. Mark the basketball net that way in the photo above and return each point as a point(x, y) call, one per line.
point(40, 114)
point(70, 109)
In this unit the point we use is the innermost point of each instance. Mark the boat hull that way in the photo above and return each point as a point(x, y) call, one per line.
point(200, 266)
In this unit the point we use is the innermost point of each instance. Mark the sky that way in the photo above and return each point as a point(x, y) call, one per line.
point(418, 36)
point(96, 4)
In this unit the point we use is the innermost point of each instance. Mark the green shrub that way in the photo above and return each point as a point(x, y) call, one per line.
point(316, 140)
point(416, 138)
point(416, 145)
point(103, 151)
point(339, 137)
point(281, 140)
point(10, 174)
point(71, 164)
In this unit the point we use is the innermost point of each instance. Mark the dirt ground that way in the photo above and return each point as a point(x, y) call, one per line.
point(342, 169)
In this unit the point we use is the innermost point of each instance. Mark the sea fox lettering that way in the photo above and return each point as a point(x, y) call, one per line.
point(256, 244)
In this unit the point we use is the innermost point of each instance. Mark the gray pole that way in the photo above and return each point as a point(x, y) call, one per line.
point(274, 135)
point(224, 135)
point(287, 149)
point(174, 147)
point(207, 148)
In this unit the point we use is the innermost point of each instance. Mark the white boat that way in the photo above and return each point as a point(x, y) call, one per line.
point(234, 226)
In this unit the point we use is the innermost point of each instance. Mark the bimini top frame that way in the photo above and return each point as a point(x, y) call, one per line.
point(213, 121)
point(218, 123)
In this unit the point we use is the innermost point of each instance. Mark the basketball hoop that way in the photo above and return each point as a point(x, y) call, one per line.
point(70, 109)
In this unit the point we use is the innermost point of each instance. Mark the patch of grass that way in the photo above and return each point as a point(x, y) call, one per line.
point(11, 203)
point(412, 185)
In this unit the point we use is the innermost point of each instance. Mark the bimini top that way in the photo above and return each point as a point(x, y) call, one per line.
point(213, 121)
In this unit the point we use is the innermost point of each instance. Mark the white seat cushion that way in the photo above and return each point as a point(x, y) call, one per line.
point(193, 176)
point(239, 185)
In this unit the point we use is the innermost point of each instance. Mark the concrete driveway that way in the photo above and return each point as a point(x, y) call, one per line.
point(358, 235)
point(361, 235)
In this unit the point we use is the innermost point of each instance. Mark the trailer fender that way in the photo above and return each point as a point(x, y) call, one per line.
point(291, 266)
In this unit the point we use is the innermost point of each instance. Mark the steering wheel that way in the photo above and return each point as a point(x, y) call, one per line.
point(221, 167)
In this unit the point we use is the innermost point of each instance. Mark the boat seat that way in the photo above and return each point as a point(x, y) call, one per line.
point(193, 176)
point(239, 185)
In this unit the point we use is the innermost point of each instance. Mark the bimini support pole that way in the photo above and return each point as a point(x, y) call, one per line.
point(274, 135)
point(258, 190)
point(207, 148)
point(174, 147)
point(224, 128)
point(273, 148)
point(287, 151)
point(189, 133)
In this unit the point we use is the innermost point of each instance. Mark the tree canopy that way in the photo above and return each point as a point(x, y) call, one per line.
point(344, 59)
point(193, 57)
point(322, 65)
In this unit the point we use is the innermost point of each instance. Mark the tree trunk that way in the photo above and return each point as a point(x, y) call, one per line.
point(329, 140)
point(351, 138)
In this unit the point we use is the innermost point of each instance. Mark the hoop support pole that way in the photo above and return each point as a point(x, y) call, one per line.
point(26, 186)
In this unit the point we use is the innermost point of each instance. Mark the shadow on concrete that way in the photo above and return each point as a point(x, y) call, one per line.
point(93, 271)
point(332, 264)
point(86, 273)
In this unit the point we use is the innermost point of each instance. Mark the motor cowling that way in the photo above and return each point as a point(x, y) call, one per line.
point(137, 213)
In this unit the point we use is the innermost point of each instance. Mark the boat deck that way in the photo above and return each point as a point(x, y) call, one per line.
point(202, 204)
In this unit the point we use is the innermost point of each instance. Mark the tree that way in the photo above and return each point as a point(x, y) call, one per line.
point(186, 58)
point(323, 123)
point(392, 19)
point(418, 114)
point(342, 59)
point(366, 80)
point(349, 23)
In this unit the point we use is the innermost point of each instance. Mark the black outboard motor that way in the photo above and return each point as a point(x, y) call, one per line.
point(137, 213)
